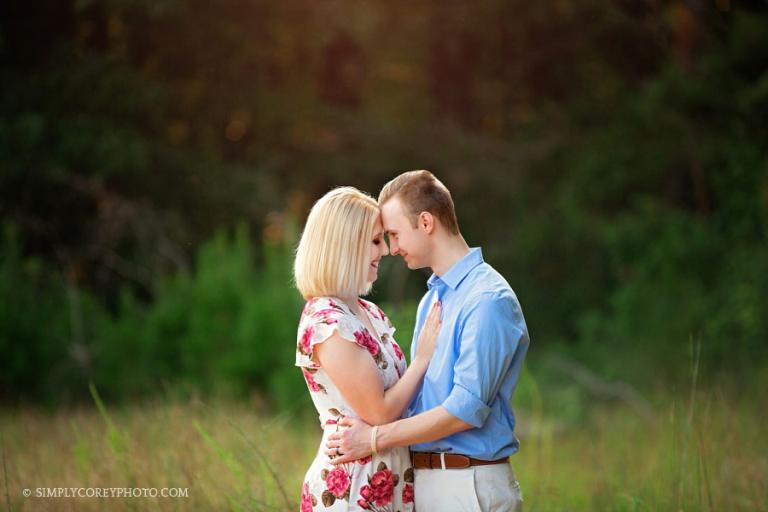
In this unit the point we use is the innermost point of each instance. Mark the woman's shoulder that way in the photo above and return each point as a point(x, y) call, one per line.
point(323, 307)
point(320, 319)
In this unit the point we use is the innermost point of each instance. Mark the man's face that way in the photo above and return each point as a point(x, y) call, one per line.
point(406, 241)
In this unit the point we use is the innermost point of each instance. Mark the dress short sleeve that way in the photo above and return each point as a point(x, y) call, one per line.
point(321, 317)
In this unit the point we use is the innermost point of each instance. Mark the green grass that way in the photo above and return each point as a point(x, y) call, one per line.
point(704, 451)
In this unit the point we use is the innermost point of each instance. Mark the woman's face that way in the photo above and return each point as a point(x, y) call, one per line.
point(378, 249)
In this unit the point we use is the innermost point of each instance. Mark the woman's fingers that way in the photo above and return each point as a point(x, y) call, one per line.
point(339, 457)
point(342, 460)
point(333, 447)
point(433, 318)
point(434, 313)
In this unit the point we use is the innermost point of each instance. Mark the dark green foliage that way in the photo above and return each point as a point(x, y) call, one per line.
point(610, 157)
point(226, 327)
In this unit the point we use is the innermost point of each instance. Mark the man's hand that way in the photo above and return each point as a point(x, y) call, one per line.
point(353, 442)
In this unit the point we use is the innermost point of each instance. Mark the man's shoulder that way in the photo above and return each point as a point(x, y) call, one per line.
point(489, 292)
point(486, 283)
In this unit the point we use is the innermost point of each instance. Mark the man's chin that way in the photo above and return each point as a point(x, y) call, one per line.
point(413, 265)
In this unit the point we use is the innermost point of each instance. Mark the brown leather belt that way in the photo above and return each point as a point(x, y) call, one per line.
point(423, 460)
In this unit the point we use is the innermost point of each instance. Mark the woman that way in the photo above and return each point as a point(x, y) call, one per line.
point(348, 355)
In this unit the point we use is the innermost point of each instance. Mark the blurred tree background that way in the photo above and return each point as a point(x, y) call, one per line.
point(157, 159)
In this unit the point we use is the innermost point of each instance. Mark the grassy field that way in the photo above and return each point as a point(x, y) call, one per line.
point(705, 451)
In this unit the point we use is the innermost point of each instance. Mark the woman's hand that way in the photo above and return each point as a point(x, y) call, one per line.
point(428, 335)
point(351, 443)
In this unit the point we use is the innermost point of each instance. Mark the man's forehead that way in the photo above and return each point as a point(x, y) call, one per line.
point(391, 214)
point(394, 206)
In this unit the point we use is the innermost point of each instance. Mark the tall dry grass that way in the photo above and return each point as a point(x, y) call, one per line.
point(704, 451)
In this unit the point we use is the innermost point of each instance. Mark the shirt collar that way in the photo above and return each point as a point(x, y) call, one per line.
point(459, 270)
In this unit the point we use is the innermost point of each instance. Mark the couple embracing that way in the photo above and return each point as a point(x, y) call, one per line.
point(435, 435)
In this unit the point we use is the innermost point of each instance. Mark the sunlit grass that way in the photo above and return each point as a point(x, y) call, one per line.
point(716, 460)
point(228, 456)
point(704, 451)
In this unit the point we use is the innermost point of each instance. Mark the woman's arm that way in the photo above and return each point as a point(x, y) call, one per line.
point(353, 371)
point(354, 442)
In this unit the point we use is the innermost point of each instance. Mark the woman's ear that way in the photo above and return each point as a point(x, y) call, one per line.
point(426, 222)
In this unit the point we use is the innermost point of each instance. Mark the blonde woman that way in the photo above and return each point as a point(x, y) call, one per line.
point(348, 355)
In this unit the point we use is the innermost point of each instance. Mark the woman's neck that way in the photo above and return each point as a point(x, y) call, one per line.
point(351, 303)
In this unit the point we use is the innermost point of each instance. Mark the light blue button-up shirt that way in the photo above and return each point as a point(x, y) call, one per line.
point(477, 361)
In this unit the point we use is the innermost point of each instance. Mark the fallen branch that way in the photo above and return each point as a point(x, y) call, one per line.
point(600, 387)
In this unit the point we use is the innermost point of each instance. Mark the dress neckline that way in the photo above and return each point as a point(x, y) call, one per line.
point(367, 314)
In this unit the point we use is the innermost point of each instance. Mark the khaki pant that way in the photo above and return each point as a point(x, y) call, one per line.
point(491, 488)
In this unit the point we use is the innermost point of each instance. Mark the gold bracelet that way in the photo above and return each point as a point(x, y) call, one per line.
point(374, 432)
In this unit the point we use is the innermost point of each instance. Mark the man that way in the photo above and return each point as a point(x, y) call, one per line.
point(460, 425)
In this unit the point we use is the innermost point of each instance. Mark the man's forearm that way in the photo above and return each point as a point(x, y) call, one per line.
point(428, 426)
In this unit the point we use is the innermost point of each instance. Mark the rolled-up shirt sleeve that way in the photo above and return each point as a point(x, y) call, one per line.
point(487, 342)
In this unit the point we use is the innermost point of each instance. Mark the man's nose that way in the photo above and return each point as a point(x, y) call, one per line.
point(393, 248)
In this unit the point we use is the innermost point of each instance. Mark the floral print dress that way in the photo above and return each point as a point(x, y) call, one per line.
point(382, 483)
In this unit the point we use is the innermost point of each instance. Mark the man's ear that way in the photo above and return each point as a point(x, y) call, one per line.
point(426, 222)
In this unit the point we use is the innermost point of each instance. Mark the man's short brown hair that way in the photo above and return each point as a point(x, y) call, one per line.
point(420, 191)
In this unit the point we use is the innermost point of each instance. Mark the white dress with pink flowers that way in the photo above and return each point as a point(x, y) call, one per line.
point(384, 483)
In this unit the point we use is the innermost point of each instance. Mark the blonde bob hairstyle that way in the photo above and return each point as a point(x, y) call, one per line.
point(332, 256)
